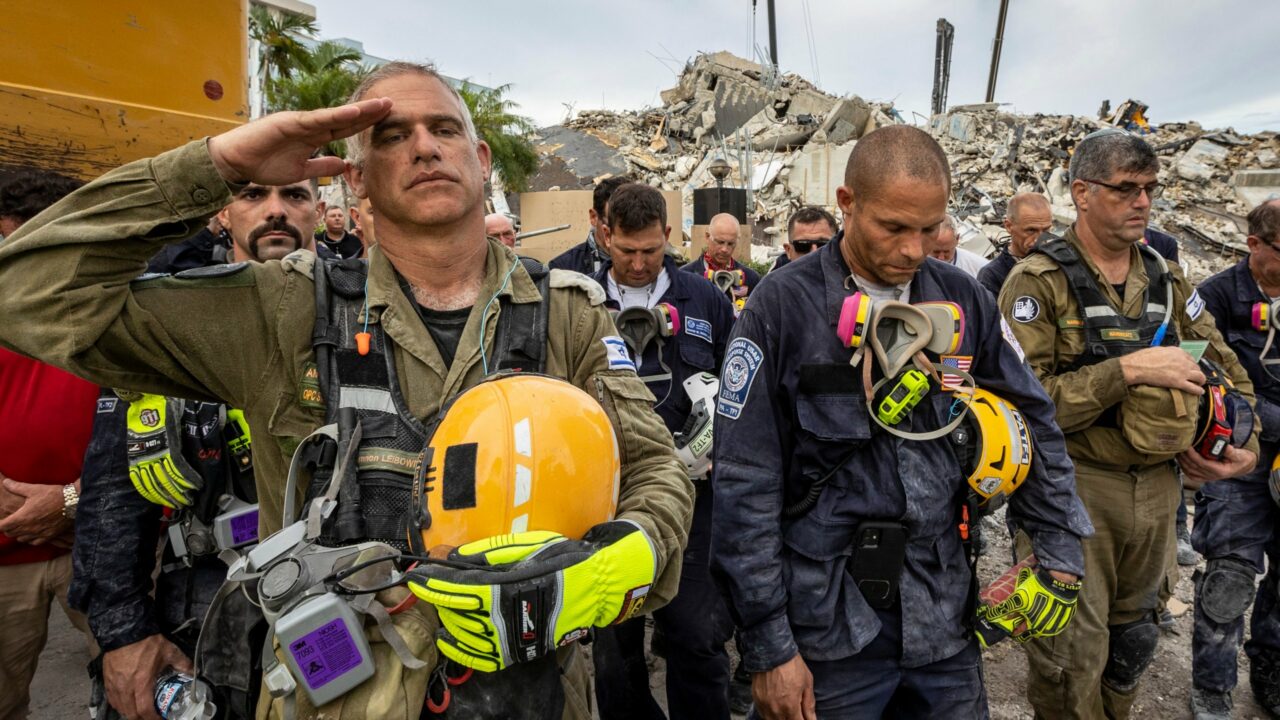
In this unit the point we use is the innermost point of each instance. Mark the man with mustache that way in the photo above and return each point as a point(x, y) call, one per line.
point(439, 308)
point(141, 636)
point(1101, 316)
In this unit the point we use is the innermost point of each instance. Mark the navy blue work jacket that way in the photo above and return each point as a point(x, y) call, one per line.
point(791, 409)
point(1230, 296)
point(699, 268)
point(706, 319)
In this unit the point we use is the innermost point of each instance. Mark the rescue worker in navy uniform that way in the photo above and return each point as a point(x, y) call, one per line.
point(799, 468)
point(644, 282)
point(1237, 518)
point(1103, 319)
point(722, 239)
point(592, 254)
point(140, 637)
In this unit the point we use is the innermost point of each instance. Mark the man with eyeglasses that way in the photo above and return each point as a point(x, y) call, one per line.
point(1236, 519)
point(1101, 317)
point(808, 229)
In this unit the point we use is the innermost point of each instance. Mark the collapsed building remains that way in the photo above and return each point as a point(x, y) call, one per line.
point(787, 143)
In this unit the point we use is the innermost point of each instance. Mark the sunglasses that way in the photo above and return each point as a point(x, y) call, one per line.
point(804, 246)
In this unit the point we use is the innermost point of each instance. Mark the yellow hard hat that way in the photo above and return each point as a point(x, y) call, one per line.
point(515, 453)
point(995, 448)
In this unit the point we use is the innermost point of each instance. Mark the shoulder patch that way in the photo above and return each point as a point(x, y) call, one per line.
point(106, 405)
point(616, 350)
point(698, 328)
point(300, 261)
point(1012, 339)
point(741, 363)
point(571, 279)
point(1026, 309)
point(1195, 305)
point(212, 271)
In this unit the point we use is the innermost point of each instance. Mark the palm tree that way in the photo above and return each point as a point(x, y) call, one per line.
point(507, 133)
point(280, 47)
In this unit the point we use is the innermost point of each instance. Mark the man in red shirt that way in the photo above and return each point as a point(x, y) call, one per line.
point(45, 418)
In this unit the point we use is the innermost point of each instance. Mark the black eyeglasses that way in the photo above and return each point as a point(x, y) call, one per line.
point(1129, 191)
point(804, 246)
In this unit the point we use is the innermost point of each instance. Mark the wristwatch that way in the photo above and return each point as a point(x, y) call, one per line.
point(70, 500)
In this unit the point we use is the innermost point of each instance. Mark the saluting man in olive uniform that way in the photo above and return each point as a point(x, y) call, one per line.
point(1101, 317)
point(243, 334)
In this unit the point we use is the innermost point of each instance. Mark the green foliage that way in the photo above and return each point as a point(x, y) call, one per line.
point(509, 135)
point(281, 37)
point(760, 267)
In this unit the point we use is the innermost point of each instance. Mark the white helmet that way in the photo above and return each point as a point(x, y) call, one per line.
point(693, 441)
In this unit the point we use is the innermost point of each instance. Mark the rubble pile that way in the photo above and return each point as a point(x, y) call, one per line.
point(787, 143)
point(1212, 178)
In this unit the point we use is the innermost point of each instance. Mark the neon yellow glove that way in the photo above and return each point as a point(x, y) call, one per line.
point(548, 593)
point(1040, 606)
point(156, 467)
point(239, 442)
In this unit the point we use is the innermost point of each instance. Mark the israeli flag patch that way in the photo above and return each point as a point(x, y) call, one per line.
point(616, 350)
point(741, 364)
point(1195, 305)
point(698, 328)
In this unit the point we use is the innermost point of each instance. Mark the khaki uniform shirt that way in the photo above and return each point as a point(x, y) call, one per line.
point(1056, 336)
point(242, 334)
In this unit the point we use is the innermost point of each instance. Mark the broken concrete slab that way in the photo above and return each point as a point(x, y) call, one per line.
point(1199, 162)
point(1255, 187)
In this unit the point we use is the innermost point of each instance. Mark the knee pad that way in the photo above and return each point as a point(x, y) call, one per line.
point(1132, 648)
point(1226, 590)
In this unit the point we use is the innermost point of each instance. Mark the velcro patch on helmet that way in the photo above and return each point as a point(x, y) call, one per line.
point(459, 482)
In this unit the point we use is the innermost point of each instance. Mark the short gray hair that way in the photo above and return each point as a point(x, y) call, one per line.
point(1264, 221)
point(1105, 152)
point(358, 144)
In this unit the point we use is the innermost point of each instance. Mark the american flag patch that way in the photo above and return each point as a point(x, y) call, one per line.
point(951, 381)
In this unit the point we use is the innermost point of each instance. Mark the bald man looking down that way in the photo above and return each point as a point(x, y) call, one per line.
point(838, 543)
point(722, 240)
point(1027, 218)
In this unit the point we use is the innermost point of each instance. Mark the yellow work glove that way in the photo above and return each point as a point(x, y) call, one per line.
point(239, 442)
point(516, 598)
point(1040, 606)
point(153, 441)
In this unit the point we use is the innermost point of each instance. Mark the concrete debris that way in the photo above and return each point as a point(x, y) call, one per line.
point(787, 143)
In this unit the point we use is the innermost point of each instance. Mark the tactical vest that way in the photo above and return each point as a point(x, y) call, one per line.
point(1108, 332)
point(374, 502)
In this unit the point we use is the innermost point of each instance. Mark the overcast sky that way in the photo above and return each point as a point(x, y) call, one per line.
point(1216, 62)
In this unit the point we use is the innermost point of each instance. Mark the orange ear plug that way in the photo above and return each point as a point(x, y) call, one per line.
point(362, 342)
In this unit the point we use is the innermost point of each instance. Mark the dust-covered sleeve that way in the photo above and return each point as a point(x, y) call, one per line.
point(746, 550)
point(1030, 308)
point(69, 298)
point(655, 491)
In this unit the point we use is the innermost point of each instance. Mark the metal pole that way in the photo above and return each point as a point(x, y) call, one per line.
point(773, 36)
point(995, 51)
point(942, 65)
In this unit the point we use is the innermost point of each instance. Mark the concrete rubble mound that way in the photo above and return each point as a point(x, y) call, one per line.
point(787, 143)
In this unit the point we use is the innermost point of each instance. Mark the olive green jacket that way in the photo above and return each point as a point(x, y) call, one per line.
point(1055, 336)
point(241, 334)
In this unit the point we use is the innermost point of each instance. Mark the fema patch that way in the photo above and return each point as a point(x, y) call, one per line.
point(106, 405)
point(616, 349)
point(1026, 309)
point(740, 366)
point(1012, 339)
point(698, 328)
point(1195, 305)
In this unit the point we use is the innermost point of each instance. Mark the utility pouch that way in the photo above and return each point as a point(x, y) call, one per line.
point(879, 552)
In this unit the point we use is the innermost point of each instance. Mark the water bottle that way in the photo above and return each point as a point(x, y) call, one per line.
point(182, 697)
